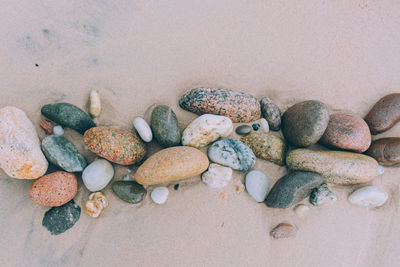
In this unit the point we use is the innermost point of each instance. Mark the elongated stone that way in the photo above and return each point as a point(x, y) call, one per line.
point(271, 113)
point(165, 127)
point(368, 196)
point(386, 151)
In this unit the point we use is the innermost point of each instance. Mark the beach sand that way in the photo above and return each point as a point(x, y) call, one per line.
point(140, 53)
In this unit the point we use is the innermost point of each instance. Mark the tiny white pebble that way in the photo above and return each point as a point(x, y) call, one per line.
point(143, 129)
point(264, 125)
point(301, 210)
point(159, 195)
point(381, 170)
point(58, 130)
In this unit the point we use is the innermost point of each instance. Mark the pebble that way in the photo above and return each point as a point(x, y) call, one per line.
point(304, 123)
point(232, 153)
point(384, 114)
point(368, 196)
point(283, 230)
point(164, 124)
point(123, 147)
point(257, 185)
point(347, 131)
point(20, 153)
point(97, 175)
point(96, 204)
point(386, 151)
point(239, 107)
point(292, 188)
point(129, 191)
point(256, 126)
point(271, 113)
point(143, 129)
point(337, 167)
point(321, 195)
point(217, 176)
point(264, 125)
point(172, 164)
point(63, 153)
point(69, 116)
point(54, 189)
point(57, 220)
point(159, 195)
point(47, 126)
point(206, 129)
point(94, 104)
point(58, 130)
point(243, 130)
point(301, 210)
point(267, 146)
point(176, 187)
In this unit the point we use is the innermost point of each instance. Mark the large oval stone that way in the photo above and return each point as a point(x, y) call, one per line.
point(386, 151)
point(164, 124)
point(119, 146)
point(69, 116)
point(20, 153)
point(239, 107)
point(63, 153)
point(304, 123)
point(347, 131)
point(172, 164)
point(129, 191)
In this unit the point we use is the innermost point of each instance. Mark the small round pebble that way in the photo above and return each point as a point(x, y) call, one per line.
point(256, 126)
point(301, 210)
point(176, 187)
point(264, 125)
point(143, 129)
point(159, 195)
point(243, 129)
point(58, 130)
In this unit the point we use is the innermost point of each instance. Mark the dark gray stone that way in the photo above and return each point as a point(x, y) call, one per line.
point(59, 219)
point(165, 127)
point(271, 113)
point(129, 191)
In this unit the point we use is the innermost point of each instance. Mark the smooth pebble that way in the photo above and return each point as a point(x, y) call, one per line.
point(95, 104)
point(243, 130)
point(368, 196)
point(58, 130)
point(301, 210)
point(159, 195)
point(143, 129)
point(97, 175)
point(257, 185)
point(264, 125)
point(217, 176)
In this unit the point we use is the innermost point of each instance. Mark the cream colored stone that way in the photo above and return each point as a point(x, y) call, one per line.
point(217, 176)
point(95, 104)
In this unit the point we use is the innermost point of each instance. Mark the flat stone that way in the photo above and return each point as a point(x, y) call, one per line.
point(58, 130)
point(386, 151)
point(143, 129)
point(164, 124)
point(257, 185)
point(321, 195)
point(368, 196)
point(217, 176)
point(129, 191)
point(271, 113)
point(243, 129)
point(283, 230)
point(97, 175)
point(57, 220)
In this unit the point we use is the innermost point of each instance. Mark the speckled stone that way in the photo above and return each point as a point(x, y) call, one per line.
point(165, 127)
point(69, 116)
point(384, 114)
point(271, 113)
point(283, 230)
point(267, 146)
point(20, 153)
point(243, 130)
point(63, 153)
point(232, 153)
point(321, 195)
point(119, 146)
point(337, 167)
point(54, 189)
point(304, 123)
point(386, 151)
point(347, 131)
point(129, 191)
point(57, 220)
point(292, 188)
point(239, 107)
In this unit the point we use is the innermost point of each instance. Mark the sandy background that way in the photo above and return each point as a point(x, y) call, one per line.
point(137, 53)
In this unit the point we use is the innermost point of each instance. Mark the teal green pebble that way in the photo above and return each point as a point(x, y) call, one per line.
point(164, 124)
point(129, 191)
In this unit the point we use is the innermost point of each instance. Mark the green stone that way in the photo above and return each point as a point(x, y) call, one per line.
point(164, 124)
point(129, 191)
point(62, 153)
point(69, 116)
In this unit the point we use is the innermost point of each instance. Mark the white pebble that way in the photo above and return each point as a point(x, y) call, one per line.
point(97, 175)
point(143, 129)
point(257, 185)
point(301, 210)
point(95, 104)
point(264, 125)
point(159, 195)
point(217, 176)
point(368, 196)
point(58, 130)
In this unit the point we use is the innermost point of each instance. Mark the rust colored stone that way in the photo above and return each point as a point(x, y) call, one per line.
point(386, 151)
point(47, 126)
point(283, 230)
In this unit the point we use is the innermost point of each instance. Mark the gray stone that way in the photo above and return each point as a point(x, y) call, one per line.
point(164, 125)
point(257, 185)
point(243, 129)
point(321, 195)
point(59, 219)
point(129, 191)
point(271, 113)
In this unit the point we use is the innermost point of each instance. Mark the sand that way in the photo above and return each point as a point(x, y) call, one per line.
point(138, 53)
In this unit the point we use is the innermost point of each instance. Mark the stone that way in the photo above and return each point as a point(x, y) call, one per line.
point(164, 124)
point(58, 130)
point(301, 210)
point(172, 164)
point(267, 146)
point(271, 113)
point(292, 188)
point(239, 107)
point(143, 129)
point(264, 125)
point(347, 131)
point(206, 129)
point(63, 153)
point(69, 116)
point(129, 191)
point(97, 175)
point(123, 147)
point(20, 153)
point(54, 189)
point(94, 104)
point(384, 114)
point(337, 167)
point(368, 196)
point(232, 153)
point(47, 126)
point(256, 126)
point(96, 204)
point(57, 220)
point(386, 151)
point(304, 123)
point(217, 176)
point(159, 195)
point(176, 187)
point(321, 195)
point(243, 130)
point(283, 230)
point(257, 185)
